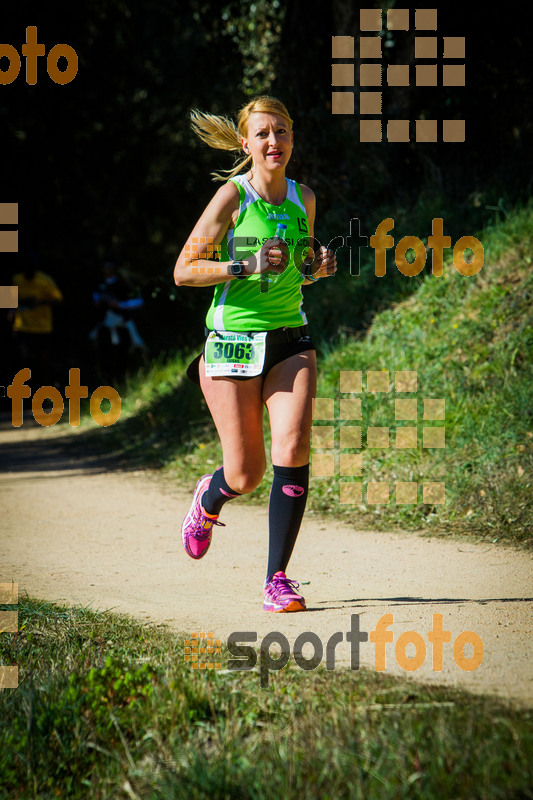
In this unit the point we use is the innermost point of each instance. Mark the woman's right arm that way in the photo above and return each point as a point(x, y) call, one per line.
point(196, 264)
point(197, 256)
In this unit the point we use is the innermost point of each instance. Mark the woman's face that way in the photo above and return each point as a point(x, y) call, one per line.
point(269, 140)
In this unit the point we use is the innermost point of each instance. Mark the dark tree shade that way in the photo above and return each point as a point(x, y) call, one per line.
point(107, 164)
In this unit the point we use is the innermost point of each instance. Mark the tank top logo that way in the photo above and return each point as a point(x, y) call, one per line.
point(278, 216)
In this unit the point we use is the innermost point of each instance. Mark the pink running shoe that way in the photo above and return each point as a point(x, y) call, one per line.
point(280, 595)
point(198, 524)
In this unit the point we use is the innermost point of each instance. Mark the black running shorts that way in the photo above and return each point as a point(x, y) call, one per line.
point(281, 343)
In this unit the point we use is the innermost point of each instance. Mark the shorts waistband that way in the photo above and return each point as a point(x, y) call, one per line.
point(277, 335)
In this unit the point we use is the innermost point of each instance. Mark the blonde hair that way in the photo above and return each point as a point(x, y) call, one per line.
point(222, 133)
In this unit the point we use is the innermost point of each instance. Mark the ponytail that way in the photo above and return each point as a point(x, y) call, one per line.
point(222, 133)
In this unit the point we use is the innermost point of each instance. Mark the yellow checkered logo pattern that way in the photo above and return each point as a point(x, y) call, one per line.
point(9, 675)
point(196, 651)
point(374, 74)
point(202, 247)
point(334, 447)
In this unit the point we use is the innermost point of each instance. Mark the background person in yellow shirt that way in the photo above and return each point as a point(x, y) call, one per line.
point(33, 319)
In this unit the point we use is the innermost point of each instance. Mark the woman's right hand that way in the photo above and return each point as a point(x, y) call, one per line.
point(271, 257)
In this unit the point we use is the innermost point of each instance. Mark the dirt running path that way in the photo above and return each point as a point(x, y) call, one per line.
point(77, 530)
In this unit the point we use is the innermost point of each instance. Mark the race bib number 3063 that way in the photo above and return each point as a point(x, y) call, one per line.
point(230, 353)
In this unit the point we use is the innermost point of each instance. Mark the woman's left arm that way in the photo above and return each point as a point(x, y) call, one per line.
point(325, 262)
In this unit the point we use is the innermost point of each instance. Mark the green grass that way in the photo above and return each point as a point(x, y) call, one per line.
point(470, 341)
point(108, 708)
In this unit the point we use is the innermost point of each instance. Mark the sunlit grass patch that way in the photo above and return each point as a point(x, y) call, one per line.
point(107, 707)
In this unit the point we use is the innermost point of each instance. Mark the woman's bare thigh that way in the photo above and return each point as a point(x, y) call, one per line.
point(237, 411)
point(288, 393)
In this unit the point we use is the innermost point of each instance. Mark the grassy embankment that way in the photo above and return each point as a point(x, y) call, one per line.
point(470, 340)
point(108, 708)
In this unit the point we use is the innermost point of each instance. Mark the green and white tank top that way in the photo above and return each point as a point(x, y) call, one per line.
point(239, 305)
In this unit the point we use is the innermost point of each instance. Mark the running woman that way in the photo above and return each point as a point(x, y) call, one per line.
point(258, 351)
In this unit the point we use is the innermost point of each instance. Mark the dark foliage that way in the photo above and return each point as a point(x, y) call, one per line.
point(107, 163)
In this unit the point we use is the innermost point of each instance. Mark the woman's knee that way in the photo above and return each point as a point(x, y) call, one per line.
point(291, 452)
point(245, 480)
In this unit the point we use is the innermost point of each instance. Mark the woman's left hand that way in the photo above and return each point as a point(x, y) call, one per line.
point(325, 263)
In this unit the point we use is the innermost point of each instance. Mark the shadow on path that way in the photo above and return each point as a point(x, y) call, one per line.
point(23, 450)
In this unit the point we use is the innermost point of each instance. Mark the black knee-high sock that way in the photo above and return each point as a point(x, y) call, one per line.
point(218, 493)
point(288, 497)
